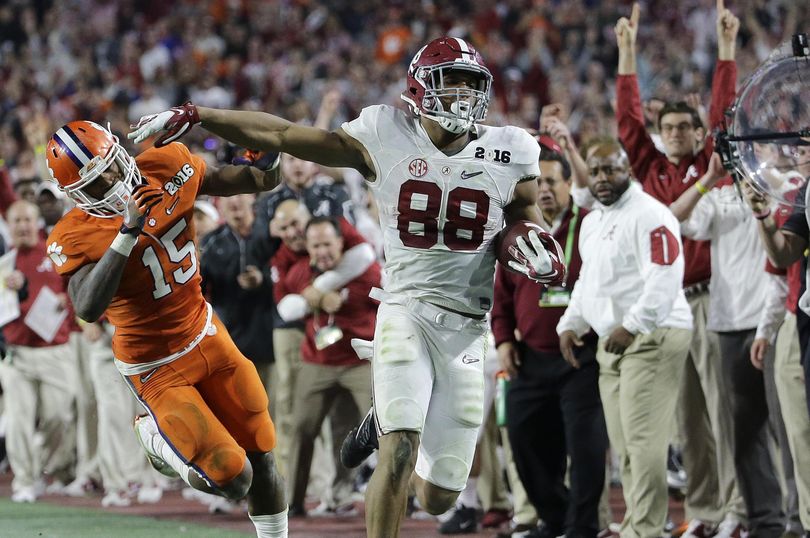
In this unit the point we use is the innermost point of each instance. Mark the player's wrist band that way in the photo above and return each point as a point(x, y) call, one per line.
point(763, 214)
point(700, 188)
point(124, 243)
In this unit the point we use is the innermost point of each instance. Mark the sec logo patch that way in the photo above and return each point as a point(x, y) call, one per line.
point(418, 167)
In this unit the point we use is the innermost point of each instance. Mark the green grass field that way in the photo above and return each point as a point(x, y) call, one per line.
point(49, 521)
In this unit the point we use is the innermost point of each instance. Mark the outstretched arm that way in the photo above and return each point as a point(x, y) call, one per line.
point(229, 180)
point(258, 131)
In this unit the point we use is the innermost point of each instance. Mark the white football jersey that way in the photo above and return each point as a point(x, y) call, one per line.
point(440, 214)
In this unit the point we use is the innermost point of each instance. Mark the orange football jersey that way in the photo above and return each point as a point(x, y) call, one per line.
point(158, 308)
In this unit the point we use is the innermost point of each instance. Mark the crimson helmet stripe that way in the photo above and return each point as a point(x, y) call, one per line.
point(74, 148)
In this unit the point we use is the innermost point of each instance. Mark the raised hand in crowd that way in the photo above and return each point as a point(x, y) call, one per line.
point(728, 25)
point(626, 33)
point(329, 106)
point(250, 279)
point(568, 340)
point(682, 207)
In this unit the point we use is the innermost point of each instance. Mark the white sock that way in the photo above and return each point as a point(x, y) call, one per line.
point(469, 495)
point(164, 450)
point(270, 526)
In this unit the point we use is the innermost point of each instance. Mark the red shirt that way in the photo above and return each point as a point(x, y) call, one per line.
point(285, 257)
point(355, 318)
point(39, 271)
point(515, 304)
point(659, 177)
point(794, 271)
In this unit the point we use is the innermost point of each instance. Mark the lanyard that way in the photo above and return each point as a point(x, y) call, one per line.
point(569, 241)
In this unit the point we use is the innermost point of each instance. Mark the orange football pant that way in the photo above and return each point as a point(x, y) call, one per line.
point(210, 406)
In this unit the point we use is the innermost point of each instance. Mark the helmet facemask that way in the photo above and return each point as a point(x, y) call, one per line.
point(467, 105)
point(114, 201)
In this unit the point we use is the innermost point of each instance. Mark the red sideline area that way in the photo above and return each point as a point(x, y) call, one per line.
point(174, 507)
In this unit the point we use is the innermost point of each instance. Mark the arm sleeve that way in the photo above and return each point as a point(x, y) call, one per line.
point(503, 318)
point(293, 307)
point(659, 254)
point(572, 319)
point(632, 132)
point(699, 224)
point(354, 263)
point(723, 95)
point(364, 129)
point(773, 312)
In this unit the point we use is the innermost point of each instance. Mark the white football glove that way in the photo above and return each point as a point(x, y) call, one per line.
point(535, 261)
point(174, 122)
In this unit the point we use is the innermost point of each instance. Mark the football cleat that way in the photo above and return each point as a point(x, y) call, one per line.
point(360, 442)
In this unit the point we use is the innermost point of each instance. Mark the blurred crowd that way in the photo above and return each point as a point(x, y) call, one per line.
point(321, 62)
point(113, 61)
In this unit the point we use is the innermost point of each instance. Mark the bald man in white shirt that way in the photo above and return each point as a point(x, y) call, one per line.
point(629, 291)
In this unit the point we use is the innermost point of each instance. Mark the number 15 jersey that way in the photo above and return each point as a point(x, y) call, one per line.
point(158, 308)
point(440, 213)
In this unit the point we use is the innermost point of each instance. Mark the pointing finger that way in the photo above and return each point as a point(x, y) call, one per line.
point(636, 13)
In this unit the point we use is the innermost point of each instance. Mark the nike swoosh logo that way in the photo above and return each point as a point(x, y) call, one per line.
point(145, 378)
point(466, 359)
point(170, 209)
point(468, 175)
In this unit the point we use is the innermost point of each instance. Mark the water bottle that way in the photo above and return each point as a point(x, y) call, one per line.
point(501, 387)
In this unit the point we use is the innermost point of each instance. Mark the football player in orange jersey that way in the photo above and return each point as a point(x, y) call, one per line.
point(128, 248)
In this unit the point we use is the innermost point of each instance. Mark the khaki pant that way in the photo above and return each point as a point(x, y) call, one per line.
point(121, 460)
point(38, 385)
point(86, 417)
point(318, 388)
point(704, 424)
point(287, 351)
point(522, 508)
point(491, 485)
point(790, 387)
point(639, 403)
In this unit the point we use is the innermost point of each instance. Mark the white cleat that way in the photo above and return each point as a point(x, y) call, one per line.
point(146, 430)
point(24, 495)
point(115, 499)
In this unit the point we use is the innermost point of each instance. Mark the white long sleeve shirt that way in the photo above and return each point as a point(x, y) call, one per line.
point(632, 269)
point(738, 286)
point(773, 313)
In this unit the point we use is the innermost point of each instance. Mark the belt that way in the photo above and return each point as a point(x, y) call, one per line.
point(696, 289)
point(435, 314)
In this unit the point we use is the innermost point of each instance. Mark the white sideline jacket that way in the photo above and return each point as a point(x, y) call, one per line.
point(739, 286)
point(632, 269)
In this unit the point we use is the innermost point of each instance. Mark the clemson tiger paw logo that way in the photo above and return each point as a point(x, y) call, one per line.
point(55, 252)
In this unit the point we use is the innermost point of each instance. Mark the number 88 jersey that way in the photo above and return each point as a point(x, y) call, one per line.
point(440, 213)
point(158, 308)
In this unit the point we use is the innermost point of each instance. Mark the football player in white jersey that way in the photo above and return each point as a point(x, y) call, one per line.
point(444, 184)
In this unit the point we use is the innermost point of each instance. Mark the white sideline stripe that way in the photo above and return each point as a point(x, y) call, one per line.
point(77, 151)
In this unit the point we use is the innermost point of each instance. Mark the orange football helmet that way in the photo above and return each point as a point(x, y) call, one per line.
point(78, 153)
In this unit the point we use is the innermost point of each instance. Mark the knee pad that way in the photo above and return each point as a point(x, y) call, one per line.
point(222, 464)
point(449, 472)
point(405, 413)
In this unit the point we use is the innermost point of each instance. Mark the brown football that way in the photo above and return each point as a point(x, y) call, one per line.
point(506, 243)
